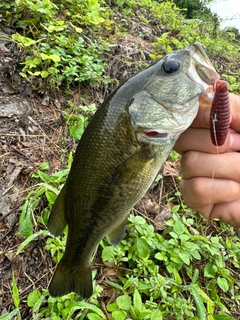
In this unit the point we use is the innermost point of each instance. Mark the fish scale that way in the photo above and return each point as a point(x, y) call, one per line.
point(118, 157)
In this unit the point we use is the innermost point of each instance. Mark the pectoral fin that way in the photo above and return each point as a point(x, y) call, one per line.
point(129, 168)
point(116, 235)
point(57, 221)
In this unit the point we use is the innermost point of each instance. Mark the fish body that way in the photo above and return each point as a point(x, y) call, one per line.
point(118, 157)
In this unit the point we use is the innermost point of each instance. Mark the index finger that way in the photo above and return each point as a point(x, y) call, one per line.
point(202, 120)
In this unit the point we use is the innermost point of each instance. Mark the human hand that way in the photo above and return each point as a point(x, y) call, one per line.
point(211, 175)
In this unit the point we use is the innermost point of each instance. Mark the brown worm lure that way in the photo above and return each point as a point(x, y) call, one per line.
point(220, 114)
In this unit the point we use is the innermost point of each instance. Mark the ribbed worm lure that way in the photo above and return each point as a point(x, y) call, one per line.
point(220, 114)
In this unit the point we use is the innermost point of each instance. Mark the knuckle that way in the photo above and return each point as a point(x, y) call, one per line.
point(193, 191)
point(188, 162)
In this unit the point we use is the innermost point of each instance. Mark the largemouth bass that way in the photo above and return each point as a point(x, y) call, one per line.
point(119, 155)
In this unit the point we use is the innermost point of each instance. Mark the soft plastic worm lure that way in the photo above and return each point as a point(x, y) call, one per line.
point(220, 114)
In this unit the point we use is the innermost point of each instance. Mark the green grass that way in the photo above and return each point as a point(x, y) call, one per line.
point(190, 269)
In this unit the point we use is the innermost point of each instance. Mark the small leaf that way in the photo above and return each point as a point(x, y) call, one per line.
point(195, 276)
point(142, 247)
point(137, 300)
point(25, 227)
point(185, 257)
point(124, 302)
point(177, 276)
point(45, 166)
point(111, 307)
point(94, 316)
point(79, 30)
point(108, 254)
point(44, 74)
point(54, 57)
point(129, 282)
point(209, 270)
point(201, 311)
point(178, 227)
point(33, 298)
point(156, 314)
point(51, 197)
point(119, 315)
point(15, 292)
point(222, 282)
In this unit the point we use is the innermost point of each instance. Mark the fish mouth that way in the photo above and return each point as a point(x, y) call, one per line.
point(203, 71)
point(160, 134)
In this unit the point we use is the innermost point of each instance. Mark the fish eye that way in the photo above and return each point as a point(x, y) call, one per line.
point(171, 66)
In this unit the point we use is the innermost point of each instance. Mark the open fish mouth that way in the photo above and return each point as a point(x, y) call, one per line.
point(155, 134)
point(161, 133)
point(203, 71)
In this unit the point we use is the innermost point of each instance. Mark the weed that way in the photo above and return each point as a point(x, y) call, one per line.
point(183, 272)
point(77, 118)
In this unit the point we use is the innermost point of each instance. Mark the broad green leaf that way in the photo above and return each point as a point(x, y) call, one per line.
point(191, 246)
point(178, 227)
point(144, 313)
point(85, 305)
point(33, 297)
point(134, 312)
point(124, 302)
point(113, 306)
point(114, 285)
point(25, 41)
point(159, 256)
point(108, 254)
point(196, 255)
point(142, 247)
point(43, 176)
